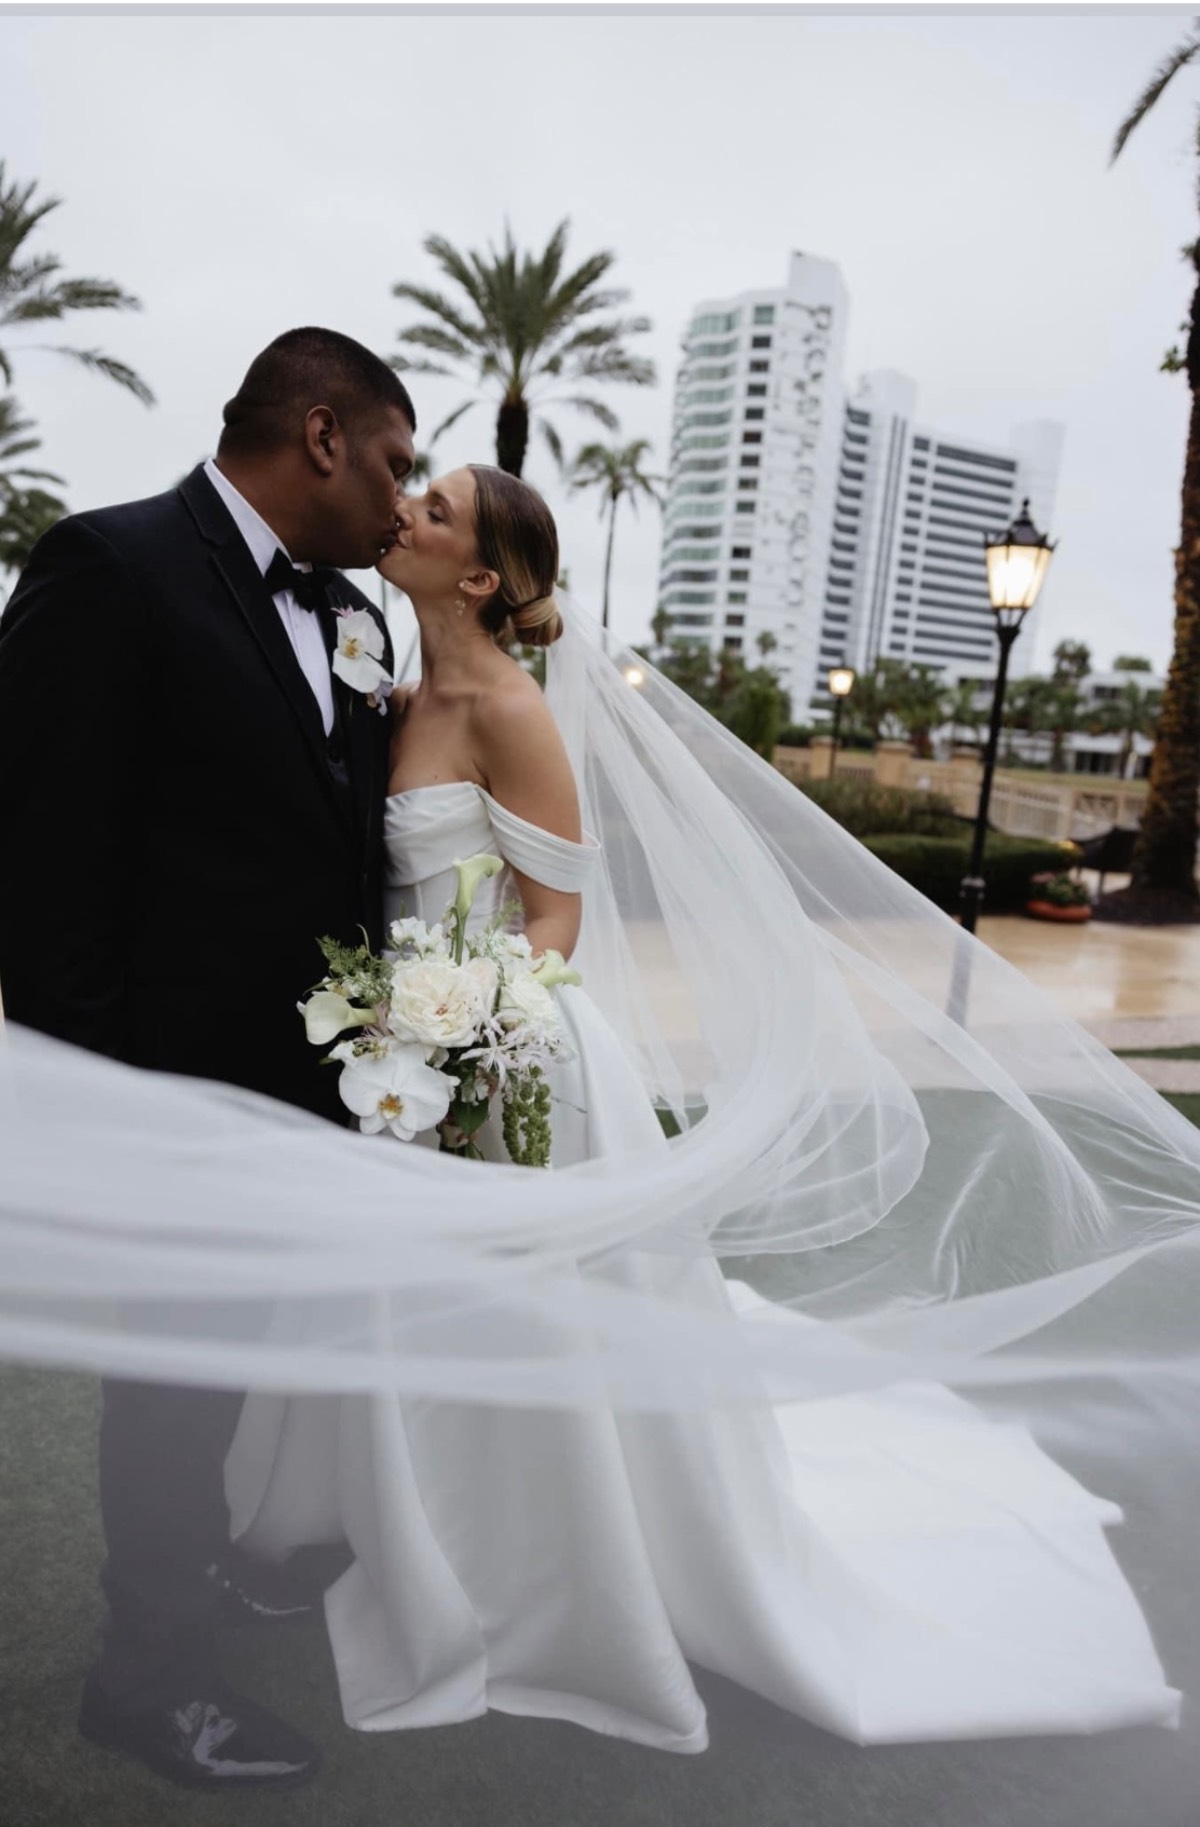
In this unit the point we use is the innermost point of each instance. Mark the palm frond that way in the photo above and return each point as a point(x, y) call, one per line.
point(452, 418)
point(108, 365)
point(1182, 55)
point(553, 443)
point(441, 342)
point(405, 364)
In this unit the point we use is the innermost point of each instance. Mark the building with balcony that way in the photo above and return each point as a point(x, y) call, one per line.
point(755, 445)
point(837, 524)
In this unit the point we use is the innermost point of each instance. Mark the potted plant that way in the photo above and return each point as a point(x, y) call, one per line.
point(1058, 897)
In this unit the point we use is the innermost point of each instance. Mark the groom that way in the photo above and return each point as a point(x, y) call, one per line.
point(185, 785)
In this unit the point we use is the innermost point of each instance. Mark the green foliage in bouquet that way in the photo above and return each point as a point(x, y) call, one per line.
point(527, 1121)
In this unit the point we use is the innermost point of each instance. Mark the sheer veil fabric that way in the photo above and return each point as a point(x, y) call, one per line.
point(918, 1169)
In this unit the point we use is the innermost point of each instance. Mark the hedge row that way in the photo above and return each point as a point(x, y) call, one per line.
point(937, 865)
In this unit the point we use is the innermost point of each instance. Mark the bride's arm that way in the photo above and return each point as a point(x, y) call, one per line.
point(526, 769)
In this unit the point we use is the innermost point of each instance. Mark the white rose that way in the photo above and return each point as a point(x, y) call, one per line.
point(435, 1002)
point(398, 1092)
point(526, 1003)
point(485, 973)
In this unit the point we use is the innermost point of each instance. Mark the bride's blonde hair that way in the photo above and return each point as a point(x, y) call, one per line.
point(516, 537)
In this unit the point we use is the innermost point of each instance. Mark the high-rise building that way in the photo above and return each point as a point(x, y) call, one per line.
point(754, 454)
point(839, 526)
point(907, 576)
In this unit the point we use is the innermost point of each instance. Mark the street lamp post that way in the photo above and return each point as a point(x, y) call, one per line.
point(1017, 562)
point(841, 684)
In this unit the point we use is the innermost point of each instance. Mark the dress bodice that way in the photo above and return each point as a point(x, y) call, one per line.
point(426, 830)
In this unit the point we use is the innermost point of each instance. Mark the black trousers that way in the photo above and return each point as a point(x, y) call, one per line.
point(166, 1520)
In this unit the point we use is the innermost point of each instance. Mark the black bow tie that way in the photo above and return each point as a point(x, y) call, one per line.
point(310, 588)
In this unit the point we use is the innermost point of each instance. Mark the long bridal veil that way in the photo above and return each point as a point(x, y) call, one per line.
point(918, 1167)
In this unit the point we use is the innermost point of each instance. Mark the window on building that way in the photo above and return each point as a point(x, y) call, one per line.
point(764, 314)
point(744, 507)
point(752, 437)
point(735, 621)
point(749, 461)
point(760, 342)
point(757, 390)
point(736, 596)
point(756, 412)
point(733, 643)
point(740, 552)
point(760, 367)
point(716, 323)
point(747, 482)
point(739, 577)
point(920, 443)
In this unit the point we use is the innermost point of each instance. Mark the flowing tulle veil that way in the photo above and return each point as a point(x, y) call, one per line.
point(874, 1122)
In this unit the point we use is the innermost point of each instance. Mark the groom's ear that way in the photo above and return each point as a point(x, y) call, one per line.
point(323, 438)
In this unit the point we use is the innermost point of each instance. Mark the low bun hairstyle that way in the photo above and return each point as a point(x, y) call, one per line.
point(517, 539)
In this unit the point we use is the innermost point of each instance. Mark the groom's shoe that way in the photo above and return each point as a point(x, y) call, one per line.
point(249, 1596)
point(210, 1739)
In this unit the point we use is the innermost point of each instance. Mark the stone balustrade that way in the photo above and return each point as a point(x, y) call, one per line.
point(1024, 803)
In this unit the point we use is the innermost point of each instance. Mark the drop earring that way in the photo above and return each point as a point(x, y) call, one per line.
point(460, 604)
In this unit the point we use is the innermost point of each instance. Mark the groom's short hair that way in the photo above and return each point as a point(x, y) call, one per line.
point(302, 369)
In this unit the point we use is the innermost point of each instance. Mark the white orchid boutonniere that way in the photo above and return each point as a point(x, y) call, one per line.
point(357, 657)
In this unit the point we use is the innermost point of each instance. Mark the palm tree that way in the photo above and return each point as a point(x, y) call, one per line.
point(920, 703)
point(31, 291)
point(1163, 881)
point(27, 510)
point(963, 712)
point(1133, 712)
point(524, 328)
point(616, 470)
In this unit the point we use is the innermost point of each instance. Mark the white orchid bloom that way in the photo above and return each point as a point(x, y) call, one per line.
point(326, 1015)
point(359, 651)
point(398, 1092)
point(553, 969)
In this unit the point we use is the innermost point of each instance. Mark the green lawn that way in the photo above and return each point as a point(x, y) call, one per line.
point(765, 1769)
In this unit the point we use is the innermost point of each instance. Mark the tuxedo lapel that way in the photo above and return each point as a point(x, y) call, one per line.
point(360, 728)
point(243, 587)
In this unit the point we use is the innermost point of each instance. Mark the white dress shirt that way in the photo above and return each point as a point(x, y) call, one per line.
point(302, 626)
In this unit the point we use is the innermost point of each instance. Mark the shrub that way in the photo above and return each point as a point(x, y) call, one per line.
point(936, 865)
point(795, 736)
point(868, 810)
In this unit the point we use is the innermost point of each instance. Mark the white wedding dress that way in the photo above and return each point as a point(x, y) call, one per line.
point(891, 1567)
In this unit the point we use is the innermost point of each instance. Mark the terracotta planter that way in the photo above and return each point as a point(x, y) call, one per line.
point(1048, 910)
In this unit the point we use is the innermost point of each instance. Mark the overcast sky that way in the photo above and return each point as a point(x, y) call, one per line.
point(241, 175)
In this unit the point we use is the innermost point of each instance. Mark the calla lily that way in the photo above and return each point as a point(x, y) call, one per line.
point(553, 969)
point(470, 874)
point(326, 1015)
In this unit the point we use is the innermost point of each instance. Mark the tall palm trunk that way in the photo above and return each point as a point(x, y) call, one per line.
point(512, 435)
point(608, 552)
point(1164, 861)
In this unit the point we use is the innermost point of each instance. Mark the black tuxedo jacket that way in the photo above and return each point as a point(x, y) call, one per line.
point(175, 829)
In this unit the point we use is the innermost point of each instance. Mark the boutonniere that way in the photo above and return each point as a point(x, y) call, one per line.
point(356, 659)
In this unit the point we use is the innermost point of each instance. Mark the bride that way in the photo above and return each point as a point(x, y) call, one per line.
point(891, 1565)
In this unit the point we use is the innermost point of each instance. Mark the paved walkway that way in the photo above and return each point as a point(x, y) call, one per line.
point(1136, 988)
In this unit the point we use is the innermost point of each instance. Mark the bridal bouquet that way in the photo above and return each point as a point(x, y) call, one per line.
point(442, 1026)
